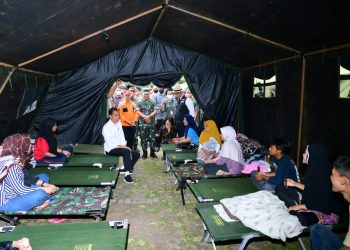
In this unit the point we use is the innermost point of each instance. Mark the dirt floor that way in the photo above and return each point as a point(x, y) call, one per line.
point(157, 218)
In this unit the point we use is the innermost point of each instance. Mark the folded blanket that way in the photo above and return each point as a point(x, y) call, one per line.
point(263, 212)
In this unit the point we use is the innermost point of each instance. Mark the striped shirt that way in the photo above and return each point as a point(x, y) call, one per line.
point(13, 184)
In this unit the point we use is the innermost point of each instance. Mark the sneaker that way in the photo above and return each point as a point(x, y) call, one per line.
point(120, 167)
point(128, 179)
point(122, 171)
point(153, 155)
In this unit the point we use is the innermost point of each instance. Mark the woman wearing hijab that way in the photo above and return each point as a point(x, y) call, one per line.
point(191, 133)
point(230, 159)
point(14, 194)
point(45, 149)
point(209, 142)
point(316, 192)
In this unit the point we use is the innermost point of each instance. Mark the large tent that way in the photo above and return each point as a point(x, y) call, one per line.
point(76, 48)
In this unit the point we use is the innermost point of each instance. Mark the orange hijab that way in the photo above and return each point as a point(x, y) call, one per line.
point(213, 132)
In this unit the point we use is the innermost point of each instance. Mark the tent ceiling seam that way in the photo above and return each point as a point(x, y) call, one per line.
point(92, 35)
point(231, 27)
point(164, 5)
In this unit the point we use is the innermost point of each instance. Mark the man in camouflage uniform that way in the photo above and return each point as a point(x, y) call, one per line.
point(147, 112)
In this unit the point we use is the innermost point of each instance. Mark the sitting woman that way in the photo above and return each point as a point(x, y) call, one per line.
point(14, 194)
point(167, 132)
point(190, 140)
point(230, 159)
point(316, 192)
point(45, 149)
point(209, 142)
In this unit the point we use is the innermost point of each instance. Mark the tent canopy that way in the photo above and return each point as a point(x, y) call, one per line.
point(241, 33)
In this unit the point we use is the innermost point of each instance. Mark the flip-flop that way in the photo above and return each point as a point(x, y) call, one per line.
point(56, 220)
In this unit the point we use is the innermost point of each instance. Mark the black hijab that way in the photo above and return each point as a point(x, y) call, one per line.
point(317, 193)
point(46, 133)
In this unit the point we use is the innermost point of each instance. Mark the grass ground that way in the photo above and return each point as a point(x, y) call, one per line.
point(157, 218)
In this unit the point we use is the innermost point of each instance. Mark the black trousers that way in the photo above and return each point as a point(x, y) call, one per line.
point(129, 158)
point(180, 128)
point(129, 133)
point(159, 124)
point(288, 195)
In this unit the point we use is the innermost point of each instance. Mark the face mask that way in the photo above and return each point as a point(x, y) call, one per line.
point(155, 91)
point(170, 96)
point(161, 91)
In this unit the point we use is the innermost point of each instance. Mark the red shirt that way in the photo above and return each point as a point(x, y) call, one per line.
point(41, 147)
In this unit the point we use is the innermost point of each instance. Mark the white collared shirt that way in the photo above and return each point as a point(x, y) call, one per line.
point(113, 135)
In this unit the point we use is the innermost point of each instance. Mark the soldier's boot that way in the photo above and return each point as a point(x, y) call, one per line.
point(144, 155)
point(153, 155)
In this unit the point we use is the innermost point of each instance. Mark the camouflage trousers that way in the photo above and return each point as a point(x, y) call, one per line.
point(147, 135)
point(136, 140)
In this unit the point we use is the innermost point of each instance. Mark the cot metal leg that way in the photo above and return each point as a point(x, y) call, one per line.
point(246, 238)
point(301, 243)
point(167, 164)
point(97, 217)
point(13, 221)
point(213, 244)
point(182, 195)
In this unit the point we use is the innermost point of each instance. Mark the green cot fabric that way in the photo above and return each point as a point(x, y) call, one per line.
point(175, 157)
point(171, 148)
point(88, 149)
point(82, 176)
point(168, 147)
point(221, 188)
point(193, 171)
point(218, 228)
point(74, 236)
point(74, 201)
point(78, 160)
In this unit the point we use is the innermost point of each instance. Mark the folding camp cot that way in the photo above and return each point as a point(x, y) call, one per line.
point(211, 190)
point(82, 176)
point(217, 230)
point(172, 151)
point(86, 160)
point(192, 173)
point(87, 149)
point(71, 202)
point(174, 157)
point(105, 235)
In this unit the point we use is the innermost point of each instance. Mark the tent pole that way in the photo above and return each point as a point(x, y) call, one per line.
point(260, 38)
point(342, 46)
point(271, 62)
point(91, 35)
point(301, 111)
point(5, 65)
point(165, 4)
point(7, 79)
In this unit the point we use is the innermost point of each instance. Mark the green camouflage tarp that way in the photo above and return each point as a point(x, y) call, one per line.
point(74, 201)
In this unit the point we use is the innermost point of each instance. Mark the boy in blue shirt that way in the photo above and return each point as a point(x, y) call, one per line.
point(284, 168)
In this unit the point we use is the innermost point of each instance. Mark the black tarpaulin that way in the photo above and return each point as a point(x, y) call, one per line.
point(76, 100)
point(20, 100)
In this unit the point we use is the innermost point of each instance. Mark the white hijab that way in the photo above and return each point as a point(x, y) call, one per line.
point(231, 148)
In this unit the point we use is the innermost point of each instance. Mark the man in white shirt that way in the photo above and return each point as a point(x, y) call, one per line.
point(115, 144)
